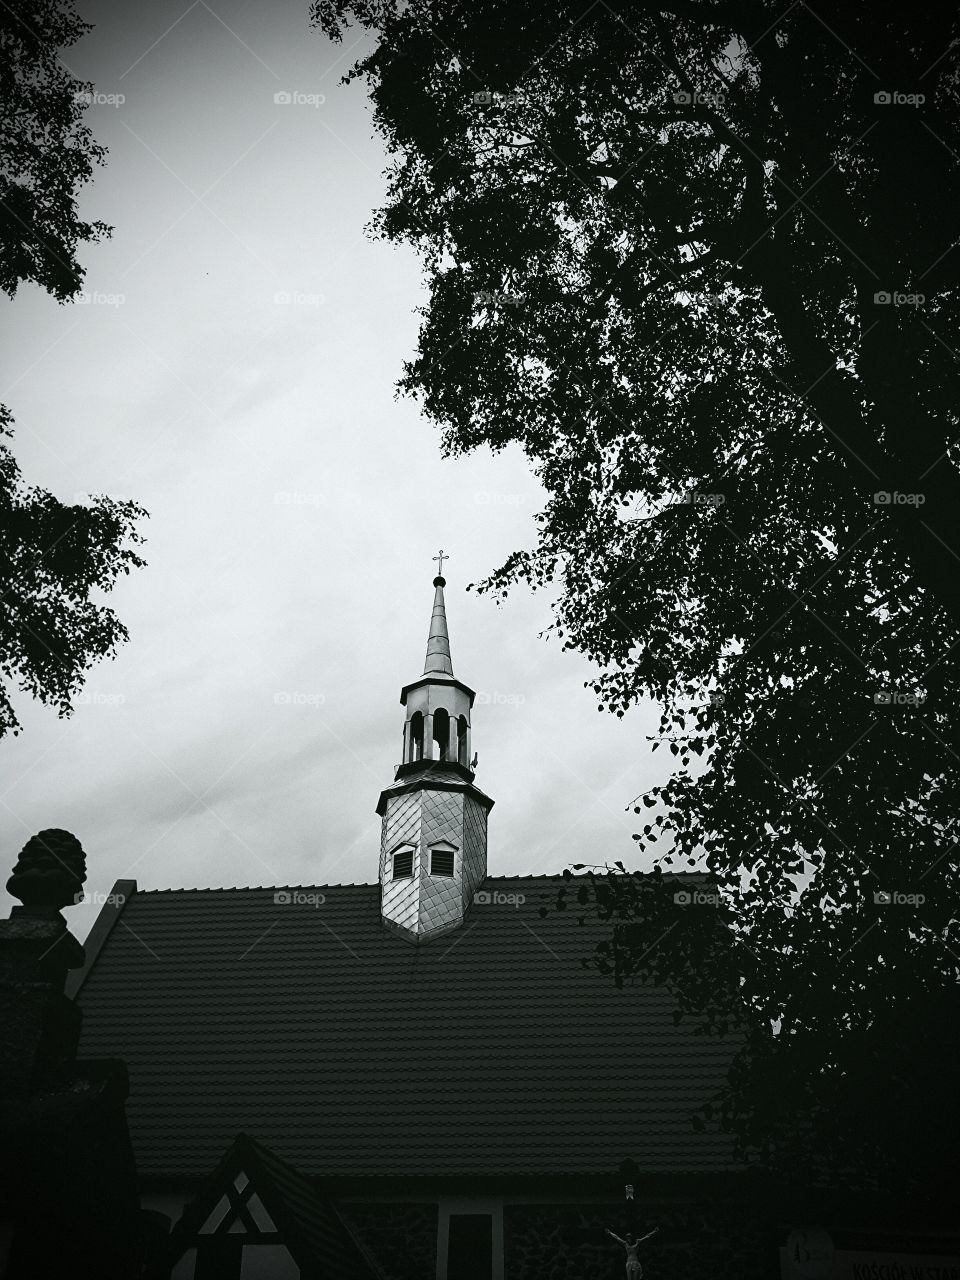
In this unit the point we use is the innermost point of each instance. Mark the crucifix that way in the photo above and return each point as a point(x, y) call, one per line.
point(441, 557)
point(631, 1244)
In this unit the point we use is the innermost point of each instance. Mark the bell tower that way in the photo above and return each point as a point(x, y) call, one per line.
point(433, 847)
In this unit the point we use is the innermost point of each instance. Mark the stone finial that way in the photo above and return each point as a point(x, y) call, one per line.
point(49, 873)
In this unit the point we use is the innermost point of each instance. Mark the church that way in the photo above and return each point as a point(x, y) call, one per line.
point(411, 1078)
point(417, 1078)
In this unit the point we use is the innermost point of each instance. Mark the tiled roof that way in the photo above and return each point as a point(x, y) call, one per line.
point(352, 1052)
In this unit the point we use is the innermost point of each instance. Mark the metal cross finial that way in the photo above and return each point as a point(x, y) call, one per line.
point(441, 557)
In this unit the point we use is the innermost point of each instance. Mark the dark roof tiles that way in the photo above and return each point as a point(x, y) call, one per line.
point(352, 1052)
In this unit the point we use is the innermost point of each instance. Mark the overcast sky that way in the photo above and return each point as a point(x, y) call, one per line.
point(233, 370)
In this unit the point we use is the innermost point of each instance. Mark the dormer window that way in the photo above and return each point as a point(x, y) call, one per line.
point(403, 864)
point(441, 860)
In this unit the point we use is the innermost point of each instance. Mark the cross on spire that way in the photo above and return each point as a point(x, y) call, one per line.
point(441, 557)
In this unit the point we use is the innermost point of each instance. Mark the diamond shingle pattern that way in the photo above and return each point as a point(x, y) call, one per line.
point(351, 1052)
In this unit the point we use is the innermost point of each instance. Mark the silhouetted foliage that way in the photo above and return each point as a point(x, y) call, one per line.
point(52, 555)
point(46, 151)
point(700, 261)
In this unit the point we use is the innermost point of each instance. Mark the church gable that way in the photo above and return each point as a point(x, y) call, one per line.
point(257, 1216)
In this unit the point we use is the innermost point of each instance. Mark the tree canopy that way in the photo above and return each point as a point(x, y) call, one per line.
point(699, 260)
point(53, 555)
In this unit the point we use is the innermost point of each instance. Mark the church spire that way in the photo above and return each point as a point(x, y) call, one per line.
point(433, 852)
point(438, 660)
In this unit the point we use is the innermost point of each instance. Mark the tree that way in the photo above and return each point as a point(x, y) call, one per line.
point(52, 555)
point(700, 262)
point(46, 151)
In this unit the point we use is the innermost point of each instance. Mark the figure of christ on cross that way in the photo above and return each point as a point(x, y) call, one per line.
point(634, 1270)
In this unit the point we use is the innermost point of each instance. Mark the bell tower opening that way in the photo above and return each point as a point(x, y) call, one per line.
point(441, 733)
point(415, 751)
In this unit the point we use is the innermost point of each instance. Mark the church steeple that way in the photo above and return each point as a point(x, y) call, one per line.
point(433, 851)
point(438, 660)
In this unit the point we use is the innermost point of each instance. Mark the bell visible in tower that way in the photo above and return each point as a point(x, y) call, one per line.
point(434, 819)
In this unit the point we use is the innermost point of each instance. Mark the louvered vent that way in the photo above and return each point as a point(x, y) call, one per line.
point(402, 864)
point(441, 862)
